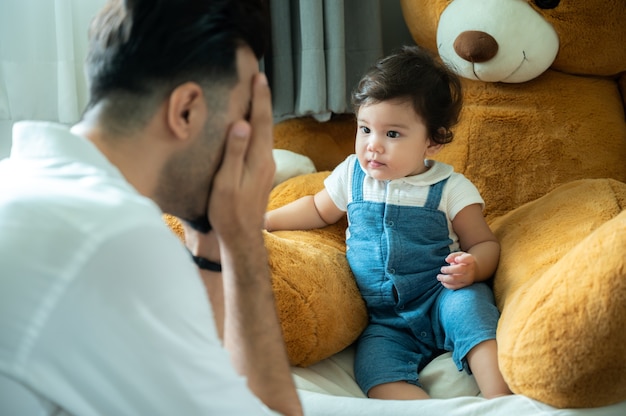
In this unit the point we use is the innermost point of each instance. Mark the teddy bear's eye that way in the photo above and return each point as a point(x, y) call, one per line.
point(547, 4)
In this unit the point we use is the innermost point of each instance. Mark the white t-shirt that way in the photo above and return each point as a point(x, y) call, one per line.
point(102, 311)
point(458, 193)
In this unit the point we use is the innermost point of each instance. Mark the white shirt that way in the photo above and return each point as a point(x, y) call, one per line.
point(102, 311)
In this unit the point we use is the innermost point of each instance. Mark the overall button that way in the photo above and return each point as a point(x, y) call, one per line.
point(423, 334)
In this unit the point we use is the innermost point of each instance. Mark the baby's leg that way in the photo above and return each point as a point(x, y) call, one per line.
point(483, 361)
point(387, 361)
point(468, 319)
point(398, 390)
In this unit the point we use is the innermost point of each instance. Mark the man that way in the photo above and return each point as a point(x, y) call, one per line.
point(102, 310)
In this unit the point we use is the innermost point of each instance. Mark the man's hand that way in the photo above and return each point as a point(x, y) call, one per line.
point(241, 186)
point(243, 298)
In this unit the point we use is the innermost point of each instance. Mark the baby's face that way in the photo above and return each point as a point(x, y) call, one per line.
point(392, 140)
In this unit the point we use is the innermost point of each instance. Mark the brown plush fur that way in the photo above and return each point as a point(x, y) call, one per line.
point(327, 144)
point(319, 304)
point(561, 286)
point(518, 141)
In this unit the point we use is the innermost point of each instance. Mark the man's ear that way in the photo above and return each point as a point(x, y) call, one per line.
point(186, 110)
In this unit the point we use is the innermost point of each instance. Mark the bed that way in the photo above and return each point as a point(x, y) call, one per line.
point(328, 388)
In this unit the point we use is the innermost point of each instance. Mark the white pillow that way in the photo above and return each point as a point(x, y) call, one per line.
point(290, 164)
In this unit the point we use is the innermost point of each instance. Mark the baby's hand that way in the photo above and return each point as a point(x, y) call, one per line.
point(460, 272)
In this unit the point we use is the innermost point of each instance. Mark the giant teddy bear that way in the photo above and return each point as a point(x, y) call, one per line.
point(543, 136)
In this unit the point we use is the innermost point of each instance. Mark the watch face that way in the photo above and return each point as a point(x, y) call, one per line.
point(200, 224)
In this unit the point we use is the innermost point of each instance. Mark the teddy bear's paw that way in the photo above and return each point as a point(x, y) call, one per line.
point(538, 234)
point(562, 332)
point(318, 302)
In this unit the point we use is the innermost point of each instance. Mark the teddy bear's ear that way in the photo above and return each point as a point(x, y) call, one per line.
point(421, 18)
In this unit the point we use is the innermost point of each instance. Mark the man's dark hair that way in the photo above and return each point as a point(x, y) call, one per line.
point(414, 75)
point(143, 49)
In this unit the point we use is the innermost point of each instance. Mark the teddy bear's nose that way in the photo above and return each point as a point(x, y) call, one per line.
point(475, 46)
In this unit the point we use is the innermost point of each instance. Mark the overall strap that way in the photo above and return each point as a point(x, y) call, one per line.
point(434, 195)
point(357, 182)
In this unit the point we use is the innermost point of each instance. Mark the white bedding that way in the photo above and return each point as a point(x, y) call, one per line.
point(328, 388)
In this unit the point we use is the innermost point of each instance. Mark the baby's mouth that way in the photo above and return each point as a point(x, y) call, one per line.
point(374, 163)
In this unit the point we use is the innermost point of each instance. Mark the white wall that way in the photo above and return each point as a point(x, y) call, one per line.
point(42, 49)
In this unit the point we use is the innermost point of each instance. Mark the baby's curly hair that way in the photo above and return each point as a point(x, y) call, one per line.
point(413, 73)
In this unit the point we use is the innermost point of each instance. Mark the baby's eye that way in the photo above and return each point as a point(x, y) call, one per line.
point(393, 134)
point(364, 129)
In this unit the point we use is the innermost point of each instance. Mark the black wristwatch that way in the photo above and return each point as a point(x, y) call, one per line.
point(206, 264)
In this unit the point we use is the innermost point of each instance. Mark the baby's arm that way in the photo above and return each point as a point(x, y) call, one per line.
point(481, 250)
point(306, 213)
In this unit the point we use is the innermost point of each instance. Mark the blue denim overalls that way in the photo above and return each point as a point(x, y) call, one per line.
point(395, 253)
